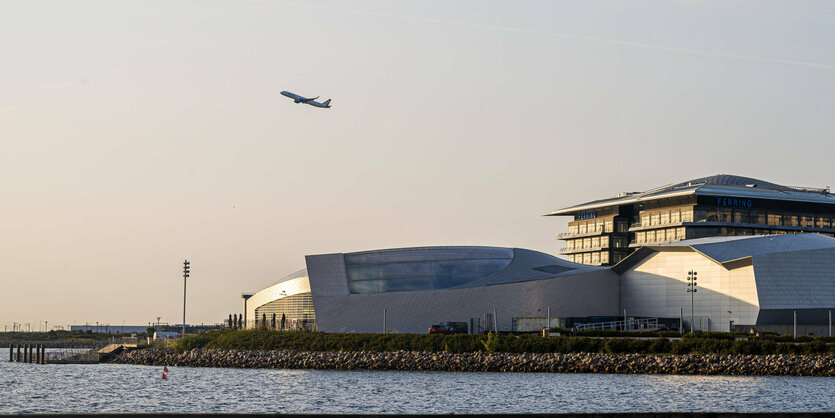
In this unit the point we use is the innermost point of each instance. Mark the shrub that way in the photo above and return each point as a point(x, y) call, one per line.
point(309, 341)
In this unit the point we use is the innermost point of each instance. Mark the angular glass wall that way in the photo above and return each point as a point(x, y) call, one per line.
point(422, 268)
point(297, 311)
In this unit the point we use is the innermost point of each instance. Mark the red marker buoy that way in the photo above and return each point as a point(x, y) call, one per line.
point(164, 377)
point(165, 369)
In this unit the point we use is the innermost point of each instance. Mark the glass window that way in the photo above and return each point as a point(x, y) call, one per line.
point(622, 226)
point(790, 220)
point(608, 226)
point(775, 218)
point(823, 222)
point(758, 217)
point(644, 218)
point(680, 233)
point(740, 216)
point(595, 257)
point(586, 258)
point(725, 215)
point(655, 219)
point(675, 216)
point(640, 237)
point(604, 257)
point(619, 242)
point(712, 215)
point(665, 218)
point(368, 273)
point(700, 215)
point(687, 215)
point(583, 228)
point(807, 220)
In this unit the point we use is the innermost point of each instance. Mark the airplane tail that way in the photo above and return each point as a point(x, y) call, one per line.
point(327, 103)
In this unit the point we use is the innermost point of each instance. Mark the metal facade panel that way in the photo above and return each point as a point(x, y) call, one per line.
point(723, 249)
point(327, 275)
point(796, 279)
point(591, 293)
point(657, 287)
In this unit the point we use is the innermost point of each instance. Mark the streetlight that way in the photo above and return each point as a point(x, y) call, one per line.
point(691, 289)
point(185, 276)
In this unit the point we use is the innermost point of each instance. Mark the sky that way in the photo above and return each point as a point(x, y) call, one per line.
point(137, 134)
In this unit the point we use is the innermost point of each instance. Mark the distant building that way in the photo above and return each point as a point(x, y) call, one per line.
point(605, 231)
point(121, 329)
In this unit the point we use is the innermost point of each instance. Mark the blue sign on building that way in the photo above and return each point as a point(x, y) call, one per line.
point(587, 215)
point(733, 202)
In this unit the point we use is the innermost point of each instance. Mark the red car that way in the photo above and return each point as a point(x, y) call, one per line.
point(437, 329)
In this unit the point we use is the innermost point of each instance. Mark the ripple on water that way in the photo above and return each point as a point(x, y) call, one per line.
point(126, 388)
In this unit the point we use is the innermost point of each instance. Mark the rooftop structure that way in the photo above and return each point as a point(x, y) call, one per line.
point(605, 231)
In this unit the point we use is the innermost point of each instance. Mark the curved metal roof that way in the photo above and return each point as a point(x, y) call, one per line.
point(717, 185)
point(731, 180)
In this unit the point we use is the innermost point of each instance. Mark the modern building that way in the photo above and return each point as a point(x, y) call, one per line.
point(746, 282)
point(603, 232)
point(743, 283)
point(764, 255)
point(407, 290)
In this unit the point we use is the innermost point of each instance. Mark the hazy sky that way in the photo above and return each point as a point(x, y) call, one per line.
point(137, 134)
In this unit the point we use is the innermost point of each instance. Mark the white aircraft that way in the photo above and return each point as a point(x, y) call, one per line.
point(299, 99)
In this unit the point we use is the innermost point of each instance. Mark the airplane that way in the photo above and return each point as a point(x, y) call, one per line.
point(299, 99)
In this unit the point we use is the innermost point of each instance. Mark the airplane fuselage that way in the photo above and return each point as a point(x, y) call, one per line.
point(301, 99)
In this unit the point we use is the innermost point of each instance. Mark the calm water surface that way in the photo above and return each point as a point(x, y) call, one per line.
point(29, 388)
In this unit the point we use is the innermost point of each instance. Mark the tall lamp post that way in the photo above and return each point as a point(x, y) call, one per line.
point(691, 289)
point(185, 276)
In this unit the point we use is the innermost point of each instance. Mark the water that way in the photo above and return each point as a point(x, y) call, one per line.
point(111, 388)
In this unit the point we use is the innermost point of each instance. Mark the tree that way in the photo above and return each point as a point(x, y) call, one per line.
point(230, 321)
point(235, 323)
point(263, 321)
point(272, 324)
point(283, 320)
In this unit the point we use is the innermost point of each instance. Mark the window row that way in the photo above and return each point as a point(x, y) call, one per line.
point(763, 217)
point(599, 226)
point(597, 257)
point(591, 242)
point(661, 235)
point(666, 216)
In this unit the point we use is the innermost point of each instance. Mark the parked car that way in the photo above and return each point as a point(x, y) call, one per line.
point(455, 327)
point(437, 329)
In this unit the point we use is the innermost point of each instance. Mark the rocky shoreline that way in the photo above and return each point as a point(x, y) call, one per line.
point(712, 364)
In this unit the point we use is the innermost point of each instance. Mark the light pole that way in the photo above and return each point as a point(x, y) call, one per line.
point(185, 276)
point(691, 289)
